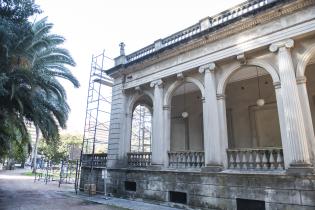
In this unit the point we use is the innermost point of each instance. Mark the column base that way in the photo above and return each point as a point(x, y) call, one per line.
point(300, 169)
point(212, 168)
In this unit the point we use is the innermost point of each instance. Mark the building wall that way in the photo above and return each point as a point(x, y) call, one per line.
point(217, 190)
point(116, 124)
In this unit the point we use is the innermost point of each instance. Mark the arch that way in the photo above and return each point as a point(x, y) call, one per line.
point(170, 91)
point(305, 59)
point(134, 99)
point(253, 62)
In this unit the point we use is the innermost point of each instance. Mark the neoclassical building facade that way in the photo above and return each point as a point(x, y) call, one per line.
point(231, 101)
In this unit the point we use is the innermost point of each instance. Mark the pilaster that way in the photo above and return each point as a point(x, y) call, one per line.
point(292, 110)
point(213, 161)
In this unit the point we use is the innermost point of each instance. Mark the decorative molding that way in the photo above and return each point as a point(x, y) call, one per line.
point(210, 66)
point(241, 58)
point(301, 80)
point(138, 89)
point(220, 96)
point(277, 85)
point(156, 83)
point(288, 43)
point(180, 76)
point(166, 107)
point(224, 32)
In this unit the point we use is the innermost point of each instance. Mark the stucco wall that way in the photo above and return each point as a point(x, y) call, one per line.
point(193, 105)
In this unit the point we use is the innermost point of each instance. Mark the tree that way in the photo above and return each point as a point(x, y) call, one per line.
point(31, 61)
point(62, 149)
point(18, 10)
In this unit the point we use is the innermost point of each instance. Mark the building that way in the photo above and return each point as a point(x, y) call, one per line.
point(232, 100)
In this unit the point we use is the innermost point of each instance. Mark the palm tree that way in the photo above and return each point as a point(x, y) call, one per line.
point(49, 62)
point(31, 86)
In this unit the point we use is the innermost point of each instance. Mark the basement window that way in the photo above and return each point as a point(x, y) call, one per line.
point(178, 197)
point(246, 204)
point(130, 186)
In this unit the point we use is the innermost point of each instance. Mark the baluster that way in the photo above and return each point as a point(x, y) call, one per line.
point(264, 160)
point(242, 159)
point(258, 163)
point(280, 160)
point(232, 160)
point(272, 160)
point(250, 160)
point(237, 160)
point(245, 159)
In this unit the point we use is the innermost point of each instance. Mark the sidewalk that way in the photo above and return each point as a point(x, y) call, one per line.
point(121, 203)
point(30, 195)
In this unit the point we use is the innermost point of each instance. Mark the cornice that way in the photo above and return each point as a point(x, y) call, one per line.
point(221, 33)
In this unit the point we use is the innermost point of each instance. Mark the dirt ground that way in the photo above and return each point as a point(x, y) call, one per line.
point(19, 192)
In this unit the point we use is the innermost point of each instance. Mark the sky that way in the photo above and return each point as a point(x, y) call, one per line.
point(96, 25)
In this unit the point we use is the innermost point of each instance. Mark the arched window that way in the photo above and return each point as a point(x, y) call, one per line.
point(141, 132)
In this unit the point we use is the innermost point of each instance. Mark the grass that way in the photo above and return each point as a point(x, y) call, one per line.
point(28, 173)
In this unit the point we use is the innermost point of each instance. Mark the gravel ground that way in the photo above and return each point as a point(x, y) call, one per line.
point(18, 192)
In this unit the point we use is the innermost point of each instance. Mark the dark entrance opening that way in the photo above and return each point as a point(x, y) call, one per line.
point(245, 204)
point(178, 197)
point(130, 186)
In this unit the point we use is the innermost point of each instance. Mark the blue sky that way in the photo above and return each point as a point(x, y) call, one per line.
point(94, 25)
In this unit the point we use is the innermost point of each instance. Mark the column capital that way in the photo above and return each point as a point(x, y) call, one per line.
point(156, 83)
point(301, 80)
point(288, 43)
point(220, 97)
point(277, 85)
point(207, 67)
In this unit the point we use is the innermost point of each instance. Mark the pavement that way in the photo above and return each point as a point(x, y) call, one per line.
point(20, 192)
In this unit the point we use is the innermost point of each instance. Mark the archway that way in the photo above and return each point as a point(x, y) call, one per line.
point(186, 118)
point(141, 125)
point(253, 128)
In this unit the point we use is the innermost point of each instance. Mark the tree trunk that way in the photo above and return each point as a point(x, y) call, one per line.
point(35, 150)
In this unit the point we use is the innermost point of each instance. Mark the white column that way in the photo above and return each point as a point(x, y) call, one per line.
point(157, 131)
point(223, 129)
point(293, 116)
point(307, 116)
point(167, 133)
point(283, 132)
point(212, 149)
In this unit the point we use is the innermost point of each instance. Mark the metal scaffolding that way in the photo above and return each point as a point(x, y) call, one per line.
point(97, 117)
point(97, 121)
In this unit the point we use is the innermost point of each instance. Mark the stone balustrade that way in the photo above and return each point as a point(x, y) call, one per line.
point(255, 158)
point(139, 159)
point(221, 19)
point(96, 160)
point(141, 53)
point(186, 159)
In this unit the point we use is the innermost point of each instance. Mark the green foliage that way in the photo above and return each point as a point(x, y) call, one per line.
point(18, 10)
point(31, 61)
point(60, 150)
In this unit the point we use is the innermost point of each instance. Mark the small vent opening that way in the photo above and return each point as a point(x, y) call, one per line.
point(130, 186)
point(246, 204)
point(178, 197)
